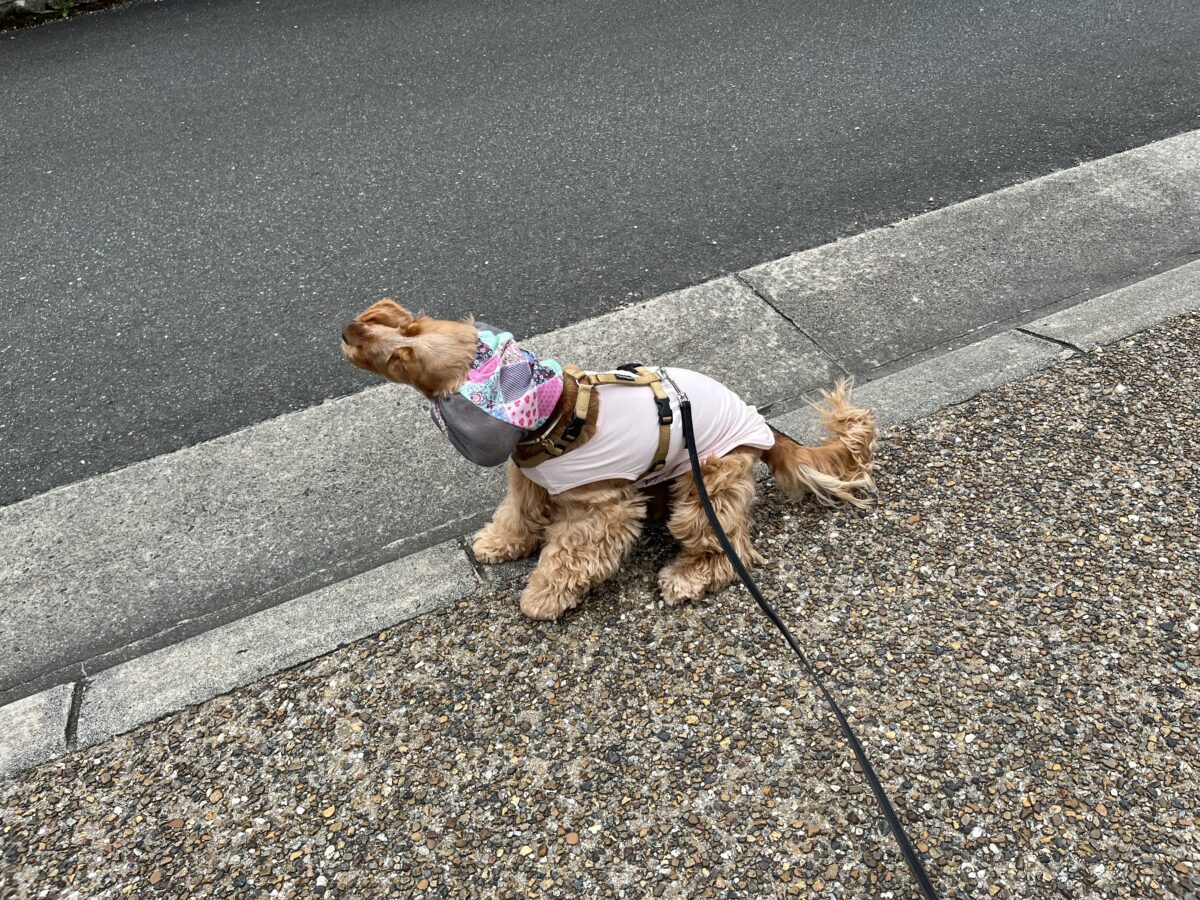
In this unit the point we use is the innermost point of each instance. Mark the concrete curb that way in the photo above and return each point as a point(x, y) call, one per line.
point(45, 725)
point(941, 381)
point(143, 689)
point(169, 562)
point(34, 729)
point(954, 376)
point(1113, 316)
point(41, 727)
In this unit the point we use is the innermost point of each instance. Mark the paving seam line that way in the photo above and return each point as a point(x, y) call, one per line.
point(121, 698)
point(71, 731)
point(754, 289)
point(1066, 345)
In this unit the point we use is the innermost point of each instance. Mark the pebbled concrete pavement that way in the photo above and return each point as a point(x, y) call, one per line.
point(1013, 631)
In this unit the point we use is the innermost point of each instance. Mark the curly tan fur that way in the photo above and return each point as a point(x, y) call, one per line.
point(584, 533)
point(701, 566)
point(591, 529)
point(838, 471)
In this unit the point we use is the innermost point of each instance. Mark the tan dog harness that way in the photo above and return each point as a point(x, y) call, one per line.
point(638, 436)
point(561, 440)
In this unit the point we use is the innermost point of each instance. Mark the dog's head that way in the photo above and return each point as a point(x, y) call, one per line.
point(432, 355)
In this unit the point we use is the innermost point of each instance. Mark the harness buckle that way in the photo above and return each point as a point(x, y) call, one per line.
point(571, 432)
point(665, 415)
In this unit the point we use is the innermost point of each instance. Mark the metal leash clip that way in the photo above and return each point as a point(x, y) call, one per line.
point(679, 393)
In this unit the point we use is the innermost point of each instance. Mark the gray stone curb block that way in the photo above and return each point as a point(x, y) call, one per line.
point(942, 381)
point(1121, 313)
point(34, 729)
point(213, 663)
point(721, 327)
point(878, 297)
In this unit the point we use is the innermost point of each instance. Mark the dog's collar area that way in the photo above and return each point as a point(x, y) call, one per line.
point(532, 437)
point(540, 435)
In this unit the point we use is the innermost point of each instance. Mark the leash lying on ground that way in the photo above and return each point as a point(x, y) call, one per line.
point(885, 805)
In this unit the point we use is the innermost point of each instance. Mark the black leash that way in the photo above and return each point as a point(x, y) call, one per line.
point(885, 805)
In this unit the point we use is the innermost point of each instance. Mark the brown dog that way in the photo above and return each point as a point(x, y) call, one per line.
point(585, 529)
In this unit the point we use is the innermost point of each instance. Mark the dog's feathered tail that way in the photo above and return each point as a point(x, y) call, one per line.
point(838, 471)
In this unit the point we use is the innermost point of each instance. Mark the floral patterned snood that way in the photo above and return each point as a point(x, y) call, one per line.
point(511, 386)
point(510, 383)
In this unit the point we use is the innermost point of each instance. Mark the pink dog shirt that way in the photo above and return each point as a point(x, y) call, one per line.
point(627, 434)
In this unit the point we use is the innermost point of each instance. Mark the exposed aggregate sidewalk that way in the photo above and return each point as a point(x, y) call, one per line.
point(1015, 628)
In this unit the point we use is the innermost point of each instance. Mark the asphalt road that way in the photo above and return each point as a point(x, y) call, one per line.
point(197, 193)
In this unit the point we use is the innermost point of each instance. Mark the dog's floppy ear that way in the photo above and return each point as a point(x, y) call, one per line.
point(387, 312)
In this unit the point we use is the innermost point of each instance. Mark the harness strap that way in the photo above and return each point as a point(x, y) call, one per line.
point(555, 445)
point(665, 418)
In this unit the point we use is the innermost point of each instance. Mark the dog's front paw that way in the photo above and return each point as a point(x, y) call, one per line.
point(542, 604)
point(491, 547)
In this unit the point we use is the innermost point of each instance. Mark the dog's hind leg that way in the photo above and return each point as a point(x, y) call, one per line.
point(518, 524)
point(701, 565)
point(591, 530)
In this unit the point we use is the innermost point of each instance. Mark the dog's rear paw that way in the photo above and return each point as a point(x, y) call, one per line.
point(539, 603)
point(683, 581)
point(491, 548)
